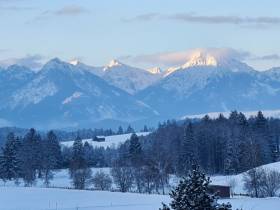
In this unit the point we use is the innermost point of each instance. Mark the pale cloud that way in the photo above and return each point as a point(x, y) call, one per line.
point(268, 57)
point(15, 8)
point(31, 61)
point(66, 11)
point(143, 17)
point(167, 59)
point(236, 20)
point(4, 50)
point(71, 10)
point(251, 22)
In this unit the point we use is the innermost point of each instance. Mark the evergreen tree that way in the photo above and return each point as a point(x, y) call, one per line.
point(9, 159)
point(135, 151)
point(145, 129)
point(192, 193)
point(261, 135)
point(31, 156)
point(188, 151)
point(120, 130)
point(54, 147)
point(51, 157)
point(229, 162)
point(129, 129)
point(79, 170)
point(135, 160)
point(89, 154)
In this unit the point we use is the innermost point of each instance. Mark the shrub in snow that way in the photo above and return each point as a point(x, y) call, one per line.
point(102, 181)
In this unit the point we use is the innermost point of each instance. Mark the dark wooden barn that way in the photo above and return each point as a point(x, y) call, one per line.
point(99, 138)
point(221, 191)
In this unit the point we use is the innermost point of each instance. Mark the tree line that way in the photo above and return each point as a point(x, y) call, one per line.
point(144, 164)
point(220, 146)
point(30, 157)
point(70, 135)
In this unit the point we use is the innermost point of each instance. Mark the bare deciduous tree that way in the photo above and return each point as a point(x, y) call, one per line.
point(102, 181)
point(253, 181)
point(232, 183)
point(262, 183)
point(123, 178)
point(271, 183)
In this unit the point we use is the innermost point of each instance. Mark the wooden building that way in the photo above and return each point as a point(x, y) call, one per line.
point(220, 190)
point(99, 138)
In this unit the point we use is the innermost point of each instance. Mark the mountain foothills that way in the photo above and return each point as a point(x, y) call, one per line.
point(63, 95)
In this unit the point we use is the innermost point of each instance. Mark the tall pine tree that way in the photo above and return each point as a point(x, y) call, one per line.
point(31, 156)
point(79, 169)
point(9, 159)
point(188, 151)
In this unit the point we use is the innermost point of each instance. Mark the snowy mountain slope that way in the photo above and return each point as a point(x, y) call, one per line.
point(128, 78)
point(75, 94)
point(155, 70)
point(110, 141)
point(202, 86)
point(200, 59)
point(272, 74)
point(13, 78)
point(95, 70)
point(64, 95)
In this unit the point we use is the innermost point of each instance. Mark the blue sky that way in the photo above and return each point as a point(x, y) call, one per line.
point(138, 32)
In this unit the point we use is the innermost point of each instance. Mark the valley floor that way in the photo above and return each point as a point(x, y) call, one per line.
point(24, 198)
point(14, 197)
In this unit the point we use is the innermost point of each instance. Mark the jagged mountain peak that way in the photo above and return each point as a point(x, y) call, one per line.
point(55, 60)
point(75, 62)
point(155, 70)
point(56, 64)
point(207, 60)
point(18, 68)
point(201, 59)
point(113, 63)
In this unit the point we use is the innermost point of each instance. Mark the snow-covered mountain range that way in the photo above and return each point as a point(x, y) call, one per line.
point(74, 94)
point(64, 95)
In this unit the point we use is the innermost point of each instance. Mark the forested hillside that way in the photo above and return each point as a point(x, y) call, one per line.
point(220, 146)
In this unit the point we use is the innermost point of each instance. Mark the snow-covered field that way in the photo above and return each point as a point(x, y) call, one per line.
point(23, 198)
point(14, 198)
point(110, 141)
point(60, 179)
point(39, 198)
